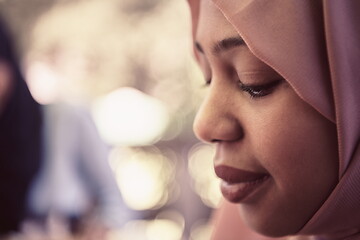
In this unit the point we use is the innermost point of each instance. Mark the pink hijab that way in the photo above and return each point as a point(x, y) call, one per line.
point(315, 46)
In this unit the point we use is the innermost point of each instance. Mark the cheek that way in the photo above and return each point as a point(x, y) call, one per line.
point(297, 145)
point(298, 148)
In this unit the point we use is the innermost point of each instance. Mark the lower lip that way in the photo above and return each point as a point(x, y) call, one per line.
point(238, 192)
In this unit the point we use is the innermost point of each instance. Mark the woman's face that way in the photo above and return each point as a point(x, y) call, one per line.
point(277, 156)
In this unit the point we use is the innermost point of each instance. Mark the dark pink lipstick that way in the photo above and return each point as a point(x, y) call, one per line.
point(238, 184)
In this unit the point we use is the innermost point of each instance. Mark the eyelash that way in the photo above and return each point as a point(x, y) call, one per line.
point(256, 91)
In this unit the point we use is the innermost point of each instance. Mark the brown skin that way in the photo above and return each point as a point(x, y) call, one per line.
point(5, 84)
point(278, 134)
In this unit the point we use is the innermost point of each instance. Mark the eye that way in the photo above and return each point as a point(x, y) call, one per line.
point(257, 91)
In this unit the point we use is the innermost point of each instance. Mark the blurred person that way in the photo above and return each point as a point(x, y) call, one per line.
point(53, 163)
point(75, 184)
point(20, 137)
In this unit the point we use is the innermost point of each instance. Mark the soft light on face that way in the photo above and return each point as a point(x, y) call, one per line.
point(260, 125)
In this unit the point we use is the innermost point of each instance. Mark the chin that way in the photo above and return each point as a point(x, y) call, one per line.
point(273, 231)
point(270, 226)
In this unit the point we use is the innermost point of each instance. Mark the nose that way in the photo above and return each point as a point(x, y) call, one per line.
point(217, 119)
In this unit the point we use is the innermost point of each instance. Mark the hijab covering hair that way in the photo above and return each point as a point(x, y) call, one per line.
point(315, 46)
point(20, 124)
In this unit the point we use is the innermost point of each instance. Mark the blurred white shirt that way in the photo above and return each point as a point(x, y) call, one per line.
point(75, 172)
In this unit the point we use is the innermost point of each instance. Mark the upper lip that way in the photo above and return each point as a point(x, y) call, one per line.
point(236, 175)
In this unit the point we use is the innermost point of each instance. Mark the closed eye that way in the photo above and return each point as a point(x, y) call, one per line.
point(258, 91)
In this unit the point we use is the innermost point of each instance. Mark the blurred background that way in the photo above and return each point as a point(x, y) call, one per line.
point(129, 64)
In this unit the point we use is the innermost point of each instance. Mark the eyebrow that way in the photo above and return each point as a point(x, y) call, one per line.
point(227, 44)
point(223, 45)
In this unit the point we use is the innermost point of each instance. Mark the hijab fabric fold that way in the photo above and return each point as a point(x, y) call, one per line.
point(315, 46)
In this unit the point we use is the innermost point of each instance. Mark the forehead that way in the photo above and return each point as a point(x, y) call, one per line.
point(212, 25)
point(212, 28)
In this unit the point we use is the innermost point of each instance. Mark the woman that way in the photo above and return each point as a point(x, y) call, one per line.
point(283, 112)
point(20, 134)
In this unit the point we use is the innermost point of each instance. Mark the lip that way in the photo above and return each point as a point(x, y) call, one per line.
point(238, 184)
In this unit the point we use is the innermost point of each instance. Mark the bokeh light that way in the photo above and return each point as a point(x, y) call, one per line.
point(167, 225)
point(144, 176)
point(43, 82)
point(201, 230)
point(129, 117)
point(206, 184)
point(163, 227)
point(131, 63)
